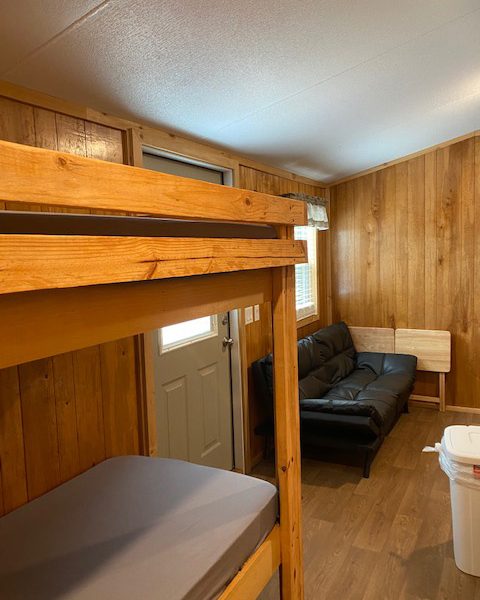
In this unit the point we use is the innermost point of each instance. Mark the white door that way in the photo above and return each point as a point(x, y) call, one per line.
point(192, 364)
point(193, 391)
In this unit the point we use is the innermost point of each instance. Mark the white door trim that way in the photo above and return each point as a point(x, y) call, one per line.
point(237, 394)
point(235, 353)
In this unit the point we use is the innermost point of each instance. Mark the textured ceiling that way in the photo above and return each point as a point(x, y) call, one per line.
point(324, 88)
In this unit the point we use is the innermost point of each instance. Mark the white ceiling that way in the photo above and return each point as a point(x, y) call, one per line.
point(323, 88)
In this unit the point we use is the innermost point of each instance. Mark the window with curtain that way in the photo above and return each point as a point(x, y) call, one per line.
point(306, 275)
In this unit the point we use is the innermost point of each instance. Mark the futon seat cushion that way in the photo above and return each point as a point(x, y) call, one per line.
point(318, 424)
point(135, 527)
point(342, 407)
point(393, 372)
point(358, 379)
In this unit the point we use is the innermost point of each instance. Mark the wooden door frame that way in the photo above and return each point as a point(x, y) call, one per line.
point(135, 145)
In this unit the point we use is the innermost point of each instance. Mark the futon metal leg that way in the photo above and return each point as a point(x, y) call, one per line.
point(366, 465)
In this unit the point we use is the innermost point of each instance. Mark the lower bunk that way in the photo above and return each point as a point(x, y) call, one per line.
point(141, 527)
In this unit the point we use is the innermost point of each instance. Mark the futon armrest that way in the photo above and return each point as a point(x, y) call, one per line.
point(262, 372)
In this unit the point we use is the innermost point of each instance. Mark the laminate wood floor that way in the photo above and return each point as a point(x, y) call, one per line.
point(388, 537)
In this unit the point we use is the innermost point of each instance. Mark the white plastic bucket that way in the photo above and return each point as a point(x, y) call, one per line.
point(459, 456)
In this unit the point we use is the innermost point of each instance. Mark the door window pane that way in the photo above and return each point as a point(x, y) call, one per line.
point(188, 332)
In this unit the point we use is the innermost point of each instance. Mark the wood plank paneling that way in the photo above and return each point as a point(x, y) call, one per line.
point(12, 451)
point(45, 129)
point(88, 391)
point(385, 199)
point(258, 335)
point(430, 302)
point(367, 245)
point(343, 248)
point(475, 350)
point(428, 245)
point(401, 246)
point(61, 415)
point(66, 412)
point(416, 242)
point(17, 122)
point(16, 125)
point(118, 384)
point(39, 426)
point(464, 382)
point(104, 143)
point(71, 135)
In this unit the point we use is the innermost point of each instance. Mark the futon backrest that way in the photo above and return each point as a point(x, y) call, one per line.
point(324, 358)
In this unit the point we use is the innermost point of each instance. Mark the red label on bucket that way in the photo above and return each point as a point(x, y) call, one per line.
point(476, 471)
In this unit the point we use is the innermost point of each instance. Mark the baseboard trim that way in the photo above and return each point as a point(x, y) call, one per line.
point(423, 403)
point(428, 399)
point(256, 460)
point(463, 409)
point(450, 407)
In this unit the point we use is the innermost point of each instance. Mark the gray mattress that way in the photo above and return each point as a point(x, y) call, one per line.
point(135, 528)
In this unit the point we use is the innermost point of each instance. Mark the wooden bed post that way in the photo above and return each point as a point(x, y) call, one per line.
point(287, 432)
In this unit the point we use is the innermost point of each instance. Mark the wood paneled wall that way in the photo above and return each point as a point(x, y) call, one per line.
point(61, 415)
point(258, 335)
point(406, 253)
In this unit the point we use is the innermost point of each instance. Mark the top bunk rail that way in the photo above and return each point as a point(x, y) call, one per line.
point(227, 229)
point(50, 178)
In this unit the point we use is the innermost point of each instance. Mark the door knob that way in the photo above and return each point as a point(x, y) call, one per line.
point(227, 342)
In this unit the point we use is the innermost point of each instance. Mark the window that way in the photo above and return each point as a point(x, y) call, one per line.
point(174, 166)
point(306, 275)
point(188, 332)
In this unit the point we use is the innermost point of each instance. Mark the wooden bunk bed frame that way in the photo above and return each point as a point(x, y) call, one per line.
point(95, 288)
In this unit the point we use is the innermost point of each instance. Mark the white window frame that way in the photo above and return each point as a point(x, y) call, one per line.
point(309, 313)
point(227, 173)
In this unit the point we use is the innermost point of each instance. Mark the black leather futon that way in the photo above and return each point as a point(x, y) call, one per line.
point(349, 401)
